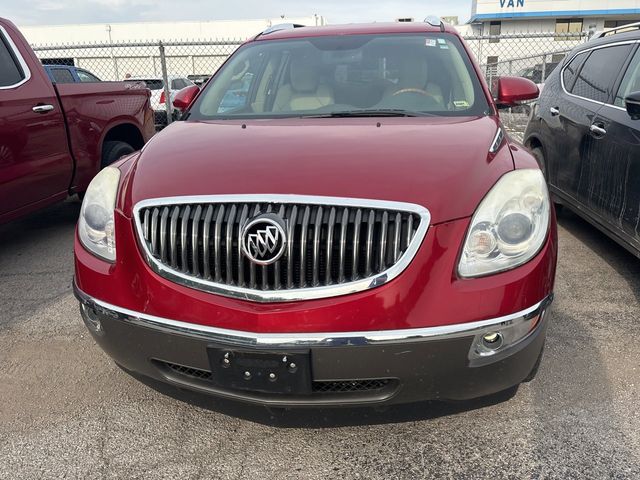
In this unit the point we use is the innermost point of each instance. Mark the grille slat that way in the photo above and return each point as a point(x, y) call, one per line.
point(369, 254)
point(343, 244)
point(173, 236)
point(228, 244)
point(396, 237)
point(194, 241)
point(206, 245)
point(243, 219)
point(290, 235)
point(315, 266)
point(326, 244)
point(217, 254)
point(356, 244)
point(163, 234)
point(154, 231)
point(304, 246)
point(183, 238)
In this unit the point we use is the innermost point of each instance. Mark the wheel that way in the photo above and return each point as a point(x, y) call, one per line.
point(112, 151)
point(539, 156)
point(534, 370)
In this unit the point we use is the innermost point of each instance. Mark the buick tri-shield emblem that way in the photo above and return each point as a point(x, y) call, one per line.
point(264, 239)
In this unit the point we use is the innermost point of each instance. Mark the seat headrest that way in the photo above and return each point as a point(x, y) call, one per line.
point(414, 72)
point(304, 73)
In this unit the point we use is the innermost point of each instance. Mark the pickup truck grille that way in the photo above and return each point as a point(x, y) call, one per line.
point(330, 243)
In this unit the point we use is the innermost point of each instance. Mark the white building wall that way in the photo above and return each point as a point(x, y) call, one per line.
point(153, 31)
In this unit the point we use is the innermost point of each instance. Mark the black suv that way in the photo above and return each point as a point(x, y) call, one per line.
point(585, 133)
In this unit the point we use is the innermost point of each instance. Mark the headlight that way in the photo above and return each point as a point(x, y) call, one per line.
point(96, 224)
point(510, 225)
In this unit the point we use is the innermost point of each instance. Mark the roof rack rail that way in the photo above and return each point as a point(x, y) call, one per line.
point(616, 30)
point(435, 21)
point(279, 27)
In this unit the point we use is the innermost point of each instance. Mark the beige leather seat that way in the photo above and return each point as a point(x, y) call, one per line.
point(414, 77)
point(304, 91)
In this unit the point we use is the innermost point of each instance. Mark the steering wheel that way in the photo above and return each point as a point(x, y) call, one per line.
point(413, 90)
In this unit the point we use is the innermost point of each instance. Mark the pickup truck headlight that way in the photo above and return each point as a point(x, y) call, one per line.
point(96, 227)
point(510, 225)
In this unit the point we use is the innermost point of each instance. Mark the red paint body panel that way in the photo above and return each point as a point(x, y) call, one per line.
point(44, 156)
point(406, 159)
point(513, 90)
point(91, 110)
point(428, 293)
point(443, 164)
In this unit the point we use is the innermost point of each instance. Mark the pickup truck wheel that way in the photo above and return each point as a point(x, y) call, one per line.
point(112, 151)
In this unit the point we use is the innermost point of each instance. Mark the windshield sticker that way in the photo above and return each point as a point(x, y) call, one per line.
point(431, 42)
point(461, 103)
point(442, 41)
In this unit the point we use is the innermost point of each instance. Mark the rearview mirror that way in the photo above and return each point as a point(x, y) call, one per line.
point(632, 101)
point(185, 97)
point(510, 91)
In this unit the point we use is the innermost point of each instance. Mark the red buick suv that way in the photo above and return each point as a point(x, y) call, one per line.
point(339, 219)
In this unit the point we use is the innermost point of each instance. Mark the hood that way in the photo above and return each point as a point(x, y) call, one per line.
point(442, 164)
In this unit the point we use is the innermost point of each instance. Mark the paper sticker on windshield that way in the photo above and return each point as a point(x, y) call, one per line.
point(461, 103)
point(442, 41)
point(431, 42)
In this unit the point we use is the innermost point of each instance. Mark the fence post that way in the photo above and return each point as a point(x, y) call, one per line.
point(165, 81)
point(510, 67)
point(544, 68)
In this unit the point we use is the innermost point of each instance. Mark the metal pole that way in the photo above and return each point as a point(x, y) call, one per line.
point(113, 57)
point(544, 68)
point(165, 81)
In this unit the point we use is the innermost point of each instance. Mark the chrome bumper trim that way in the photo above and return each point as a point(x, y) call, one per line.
point(332, 339)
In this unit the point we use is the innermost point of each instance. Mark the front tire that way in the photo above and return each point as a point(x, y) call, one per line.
point(115, 150)
point(539, 156)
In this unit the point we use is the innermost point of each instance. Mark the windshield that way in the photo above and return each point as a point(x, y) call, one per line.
point(153, 84)
point(364, 75)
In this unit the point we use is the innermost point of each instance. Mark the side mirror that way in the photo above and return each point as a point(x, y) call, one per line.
point(632, 101)
point(185, 97)
point(510, 91)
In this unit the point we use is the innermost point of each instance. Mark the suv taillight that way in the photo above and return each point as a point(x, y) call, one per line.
point(162, 98)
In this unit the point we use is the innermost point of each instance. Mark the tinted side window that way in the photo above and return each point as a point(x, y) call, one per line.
point(178, 84)
point(62, 75)
point(10, 72)
point(630, 82)
point(86, 77)
point(570, 73)
point(598, 75)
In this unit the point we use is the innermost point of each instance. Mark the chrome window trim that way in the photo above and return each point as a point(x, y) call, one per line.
point(18, 56)
point(320, 339)
point(297, 294)
point(588, 50)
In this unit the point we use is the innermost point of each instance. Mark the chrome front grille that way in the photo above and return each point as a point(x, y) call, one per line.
point(333, 246)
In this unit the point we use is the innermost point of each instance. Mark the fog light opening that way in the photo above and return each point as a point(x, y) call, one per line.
point(492, 341)
point(91, 319)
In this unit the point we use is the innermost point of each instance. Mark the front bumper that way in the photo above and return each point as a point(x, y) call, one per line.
point(347, 368)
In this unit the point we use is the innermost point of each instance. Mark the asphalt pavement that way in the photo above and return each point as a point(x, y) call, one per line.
point(66, 411)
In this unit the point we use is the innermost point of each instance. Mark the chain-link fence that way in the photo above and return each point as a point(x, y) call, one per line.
point(169, 66)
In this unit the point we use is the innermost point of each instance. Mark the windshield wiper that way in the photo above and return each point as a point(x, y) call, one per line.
point(383, 112)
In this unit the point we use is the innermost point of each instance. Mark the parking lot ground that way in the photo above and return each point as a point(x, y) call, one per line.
point(66, 411)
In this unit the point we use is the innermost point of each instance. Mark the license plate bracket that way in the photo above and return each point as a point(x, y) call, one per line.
point(268, 371)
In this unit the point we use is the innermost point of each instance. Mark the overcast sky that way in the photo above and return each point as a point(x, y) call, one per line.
point(56, 12)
